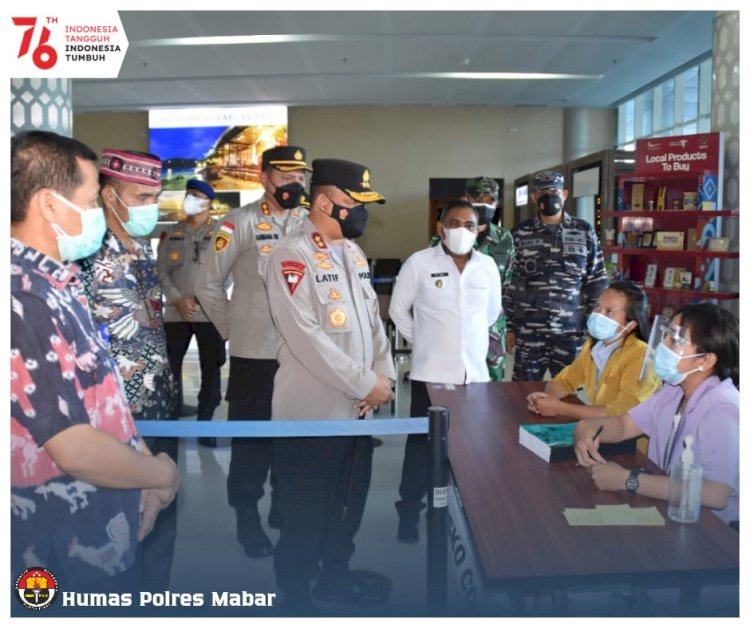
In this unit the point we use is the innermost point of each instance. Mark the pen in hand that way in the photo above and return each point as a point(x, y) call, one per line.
point(596, 435)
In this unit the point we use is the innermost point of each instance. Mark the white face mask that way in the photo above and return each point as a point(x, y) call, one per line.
point(194, 205)
point(459, 240)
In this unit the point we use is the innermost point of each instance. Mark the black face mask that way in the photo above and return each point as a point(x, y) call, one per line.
point(550, 204)
point(288, 196)
point(353, 221)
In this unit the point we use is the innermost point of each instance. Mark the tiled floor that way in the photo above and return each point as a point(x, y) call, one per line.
point(207, 555)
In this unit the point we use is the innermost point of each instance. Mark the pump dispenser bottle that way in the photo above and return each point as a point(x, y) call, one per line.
point(685, 483)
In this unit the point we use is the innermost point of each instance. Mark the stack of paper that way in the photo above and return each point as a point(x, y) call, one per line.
point(621, 515)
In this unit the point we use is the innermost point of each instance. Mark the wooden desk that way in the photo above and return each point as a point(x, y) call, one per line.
point(513, 501)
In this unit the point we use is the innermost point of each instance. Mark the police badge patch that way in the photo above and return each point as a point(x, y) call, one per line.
point(293, 272)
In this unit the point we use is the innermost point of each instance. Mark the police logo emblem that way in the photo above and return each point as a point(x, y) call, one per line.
point(298, 155)
point(222, 241)
point(366, 179)
point(36, 588)
point(337, 318)
point(266, 249)
point(293, 273)
point(334, 295)
point(439, 283)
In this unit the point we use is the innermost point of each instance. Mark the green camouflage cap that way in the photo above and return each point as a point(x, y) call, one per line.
point(479, 186)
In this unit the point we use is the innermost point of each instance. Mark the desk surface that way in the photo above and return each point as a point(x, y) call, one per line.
point(513, 502)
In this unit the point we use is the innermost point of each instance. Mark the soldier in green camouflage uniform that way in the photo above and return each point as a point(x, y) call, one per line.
point(493, 240)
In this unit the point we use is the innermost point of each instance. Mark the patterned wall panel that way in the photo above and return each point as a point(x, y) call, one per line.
point(43, 104)
point(725, 117)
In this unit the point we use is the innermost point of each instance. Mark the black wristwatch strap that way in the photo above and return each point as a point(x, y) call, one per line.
point(632, 483)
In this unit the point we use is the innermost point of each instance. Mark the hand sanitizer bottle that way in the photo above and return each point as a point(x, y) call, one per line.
point(685, 483)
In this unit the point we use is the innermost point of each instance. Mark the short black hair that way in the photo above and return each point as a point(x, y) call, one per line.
point(457, 205)
point(41, 159)
point(714, 330)
point(637, 309)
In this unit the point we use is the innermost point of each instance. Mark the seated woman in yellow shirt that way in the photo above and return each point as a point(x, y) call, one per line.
point(609, 363)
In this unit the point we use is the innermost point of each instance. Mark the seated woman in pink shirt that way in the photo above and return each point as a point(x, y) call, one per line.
point(698, 360)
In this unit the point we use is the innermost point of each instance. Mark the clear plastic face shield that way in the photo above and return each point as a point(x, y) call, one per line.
point(675, 337)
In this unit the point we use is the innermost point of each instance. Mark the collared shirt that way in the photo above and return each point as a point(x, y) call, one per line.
point(61, 376)
point(452, 313)
point(332, 343)
point(618, 387)
point(125, 297)
point(712, 417)
point(601, 353)
point(243, 241)
point(182, 252)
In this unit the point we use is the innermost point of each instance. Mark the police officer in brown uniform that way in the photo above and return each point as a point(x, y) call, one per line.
point(182, 251)
point(334, 363)
point(243, 241)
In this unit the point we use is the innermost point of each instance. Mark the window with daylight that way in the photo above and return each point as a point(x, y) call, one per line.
point(678, 105)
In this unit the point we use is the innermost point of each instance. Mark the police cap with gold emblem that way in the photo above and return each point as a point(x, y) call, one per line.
point(352, 179)
point(285, 158)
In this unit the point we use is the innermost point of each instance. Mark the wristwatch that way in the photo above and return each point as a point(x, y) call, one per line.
point(632, 483)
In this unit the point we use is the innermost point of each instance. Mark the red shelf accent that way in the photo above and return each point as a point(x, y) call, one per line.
point(687, 213)
point(665, 253)
point(696, 294)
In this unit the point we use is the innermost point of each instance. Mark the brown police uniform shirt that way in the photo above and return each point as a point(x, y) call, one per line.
point(243, 240)
point(333, 342)
point(181, 254)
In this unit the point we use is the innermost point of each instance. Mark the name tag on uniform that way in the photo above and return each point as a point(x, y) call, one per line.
point(439, 275)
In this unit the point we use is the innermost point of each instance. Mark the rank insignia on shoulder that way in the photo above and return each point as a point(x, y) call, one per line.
point(319, 241)
point(359, 261)
point(293, 273)
point(265, 209)
point(263, 226)
point(334, 294)
point(337, 318)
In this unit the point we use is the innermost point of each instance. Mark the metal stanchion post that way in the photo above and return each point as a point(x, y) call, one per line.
point(437, 512)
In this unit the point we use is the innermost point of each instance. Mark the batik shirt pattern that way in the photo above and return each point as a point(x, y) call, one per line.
point(125, 296)
point(62, 376)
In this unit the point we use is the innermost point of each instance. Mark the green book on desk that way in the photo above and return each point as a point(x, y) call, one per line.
point(554, 441)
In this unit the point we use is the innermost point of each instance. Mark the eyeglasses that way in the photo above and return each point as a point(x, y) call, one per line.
point(674, 337)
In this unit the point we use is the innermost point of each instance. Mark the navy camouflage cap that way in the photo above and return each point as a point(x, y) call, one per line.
point(479, 186)
point(548, 179)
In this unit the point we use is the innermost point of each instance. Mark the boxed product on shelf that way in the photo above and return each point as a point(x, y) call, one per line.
point(670, 240)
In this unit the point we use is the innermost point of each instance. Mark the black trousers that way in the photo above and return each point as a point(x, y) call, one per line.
point(323, 484)
point(415, 472)
point(249, 394)
point(212, 355)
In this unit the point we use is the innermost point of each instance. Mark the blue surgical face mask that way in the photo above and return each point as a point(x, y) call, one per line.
point(141, 218)
point(602, 327)
point(665, 365)
point(93, 226)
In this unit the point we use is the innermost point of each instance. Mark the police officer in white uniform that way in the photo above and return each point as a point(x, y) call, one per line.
point(183, 247)
point(242, 244)
point(334, 363)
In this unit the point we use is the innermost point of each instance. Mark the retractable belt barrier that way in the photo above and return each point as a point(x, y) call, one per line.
point(282, 428)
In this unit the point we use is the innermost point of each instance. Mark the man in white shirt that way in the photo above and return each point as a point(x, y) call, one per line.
point(444, 302)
